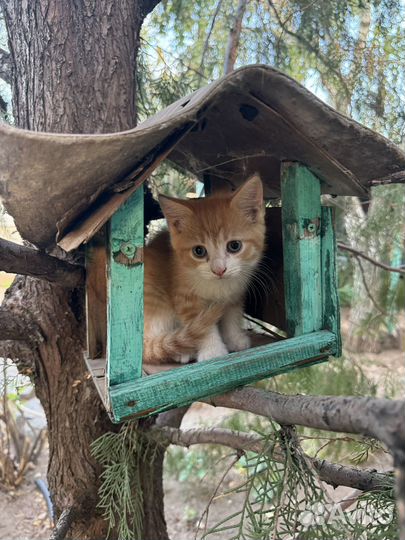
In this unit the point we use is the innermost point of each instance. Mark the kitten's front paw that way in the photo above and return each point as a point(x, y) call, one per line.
point(238, 342)
point(183, 358)
point(213, 351)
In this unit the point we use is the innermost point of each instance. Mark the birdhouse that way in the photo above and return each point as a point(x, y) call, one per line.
point(255, 119)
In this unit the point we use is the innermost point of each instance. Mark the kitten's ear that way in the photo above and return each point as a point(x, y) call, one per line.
point(175, 211)
point(249, 198)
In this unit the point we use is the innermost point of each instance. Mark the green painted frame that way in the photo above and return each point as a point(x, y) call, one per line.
point(312, 309)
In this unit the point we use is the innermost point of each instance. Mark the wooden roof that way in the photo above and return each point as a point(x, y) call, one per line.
point(66, 186)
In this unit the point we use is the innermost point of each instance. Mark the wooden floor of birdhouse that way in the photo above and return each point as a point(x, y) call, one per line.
point(256, 339)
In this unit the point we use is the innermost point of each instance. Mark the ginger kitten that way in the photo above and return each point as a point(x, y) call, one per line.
point(197, 274)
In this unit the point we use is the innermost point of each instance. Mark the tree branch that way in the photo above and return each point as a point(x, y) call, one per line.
point(5, 66)
point(30, 262)
point(13, 327)
point(207, 39)
point(358, 253)
point(234, 38)
point(147, 6)
point(63, 525)
point(331, 473)
point(382, 419)
point(365, 284)
point(172, 418)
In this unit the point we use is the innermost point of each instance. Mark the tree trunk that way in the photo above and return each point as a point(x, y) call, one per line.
point(234, 38)
point(73, 70)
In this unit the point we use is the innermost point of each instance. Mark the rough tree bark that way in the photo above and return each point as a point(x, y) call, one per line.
point(73, 70)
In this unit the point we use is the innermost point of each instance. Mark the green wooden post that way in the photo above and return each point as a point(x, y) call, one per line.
point(301, 217)
point(330, 297)
point(125, 292)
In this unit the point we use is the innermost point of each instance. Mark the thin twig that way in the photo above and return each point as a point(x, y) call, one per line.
point(214, 493)
point(359, 253)
point(363, 277)
point(273, 334)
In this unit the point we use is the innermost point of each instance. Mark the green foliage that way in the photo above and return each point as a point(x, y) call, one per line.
point(194, 465)
point(337, 377)
point(285, 500)
point(120, 498)
point(380, 514)
point(345, 295)
point(281, 496)
point(350, 52)
point(362, 450)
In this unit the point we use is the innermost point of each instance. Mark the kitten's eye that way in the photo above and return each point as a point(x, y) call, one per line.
point(234, 246)
point(199, 251)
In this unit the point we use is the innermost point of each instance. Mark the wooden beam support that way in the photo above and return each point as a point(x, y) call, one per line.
point(125, 292)
point(330, 296)
point(301, 217)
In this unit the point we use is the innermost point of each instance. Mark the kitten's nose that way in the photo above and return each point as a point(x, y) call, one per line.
point(219, 271)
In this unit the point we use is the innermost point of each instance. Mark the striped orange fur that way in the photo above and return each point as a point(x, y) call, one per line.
point(197, 273)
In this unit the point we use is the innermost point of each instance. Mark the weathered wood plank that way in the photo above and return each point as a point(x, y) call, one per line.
point(85, 228)
point(189, 383)
point(301, 217)
point(125, 292)
point(97, 372)
point(330, 297)
point(96, 296)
